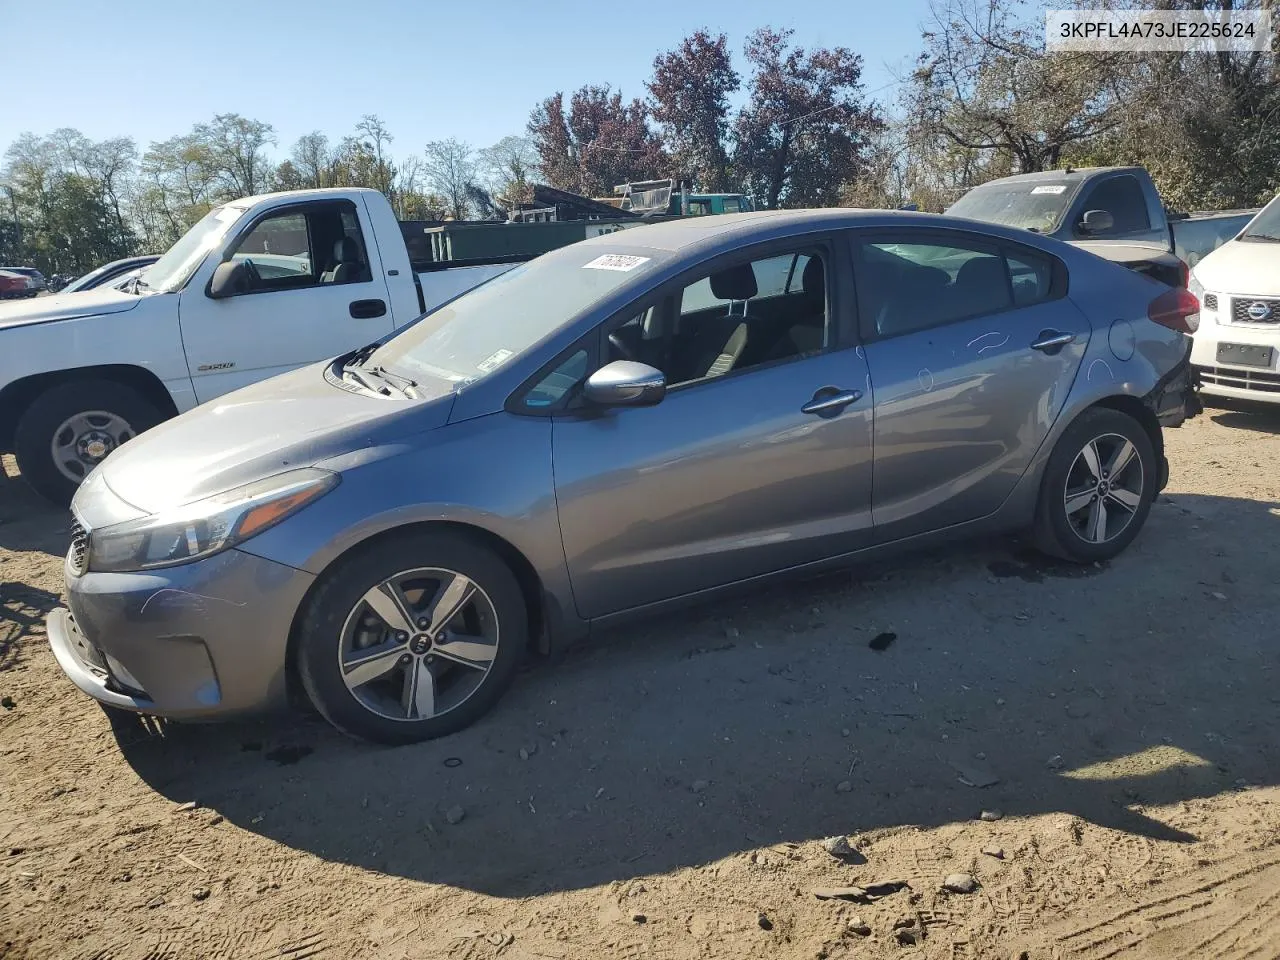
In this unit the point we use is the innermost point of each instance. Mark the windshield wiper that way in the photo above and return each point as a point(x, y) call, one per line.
point(406, 384)
point(1264, 237)
point(355, 374)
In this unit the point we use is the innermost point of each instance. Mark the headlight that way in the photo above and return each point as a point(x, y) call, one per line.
point(1196, 287)
point(205, 527)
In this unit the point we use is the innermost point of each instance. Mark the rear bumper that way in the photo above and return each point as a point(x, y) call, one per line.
point(1175, 398)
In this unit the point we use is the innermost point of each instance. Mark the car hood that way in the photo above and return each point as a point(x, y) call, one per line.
point(67, 307)
point(1242, 267)
point(296, 420)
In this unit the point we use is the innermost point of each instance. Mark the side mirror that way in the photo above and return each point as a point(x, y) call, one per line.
point(1097, 221)
point(228, 280)
point(625, 383)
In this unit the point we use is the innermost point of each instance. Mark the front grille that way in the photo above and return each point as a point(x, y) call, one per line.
point(1262, 381)
point(1211, 301)
point(79, 552)
point(1243, 308)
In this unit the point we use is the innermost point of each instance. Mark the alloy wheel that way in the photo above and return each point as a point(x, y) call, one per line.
point(418, 644)
point(1104, 488)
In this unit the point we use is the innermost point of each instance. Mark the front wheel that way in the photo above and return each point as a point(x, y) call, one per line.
point(1098, 487)
point(71, 428)
point(412, 638)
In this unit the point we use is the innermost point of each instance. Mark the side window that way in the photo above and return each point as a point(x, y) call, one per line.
point(731, 205)
point(906, 287)
point(554, 385)
point(772, 275)
point(305, 247)
point(1121, 197)
point(724, 323)
point(699, 208)
point(1032, 277)
point(279, 251)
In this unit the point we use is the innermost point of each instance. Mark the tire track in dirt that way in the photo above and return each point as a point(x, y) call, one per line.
point(1227, 895)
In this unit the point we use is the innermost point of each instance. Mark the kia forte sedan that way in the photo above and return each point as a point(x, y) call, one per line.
point(640, 420)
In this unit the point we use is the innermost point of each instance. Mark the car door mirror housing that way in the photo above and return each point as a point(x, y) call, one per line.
point(1096, 221)
point(228, 280)
point(625, 383)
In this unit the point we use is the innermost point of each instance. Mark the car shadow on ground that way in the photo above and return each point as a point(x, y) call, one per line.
point(840, 705)
point(1243, 415)
point(28, 522)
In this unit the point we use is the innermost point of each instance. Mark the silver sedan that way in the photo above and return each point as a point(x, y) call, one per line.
point(643, 419)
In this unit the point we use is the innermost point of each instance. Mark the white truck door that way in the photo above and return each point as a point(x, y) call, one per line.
point(315, 289)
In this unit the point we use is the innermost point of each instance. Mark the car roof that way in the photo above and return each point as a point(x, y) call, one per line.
point(711, 234)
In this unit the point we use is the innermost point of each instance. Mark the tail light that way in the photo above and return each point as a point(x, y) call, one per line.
point(1176, 309)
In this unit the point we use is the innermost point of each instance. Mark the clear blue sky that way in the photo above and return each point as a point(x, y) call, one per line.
point(472, 69)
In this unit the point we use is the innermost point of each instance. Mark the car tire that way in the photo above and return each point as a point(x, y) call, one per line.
point(1069, 524)
point(341, 634)
point(118, 410)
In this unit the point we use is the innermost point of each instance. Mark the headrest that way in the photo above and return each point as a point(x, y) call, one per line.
point(734, 283)
point(812, 280)
point(981, 271)
point(346, 250)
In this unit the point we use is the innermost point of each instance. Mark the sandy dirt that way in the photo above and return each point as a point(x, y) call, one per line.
point(665, 791)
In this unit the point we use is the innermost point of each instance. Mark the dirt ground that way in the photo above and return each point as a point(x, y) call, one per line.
point(665, 790)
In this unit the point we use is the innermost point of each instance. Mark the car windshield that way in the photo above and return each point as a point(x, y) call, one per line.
point(494, 324)
point(174, 269)
point(1030, 204)
point(1266, 225)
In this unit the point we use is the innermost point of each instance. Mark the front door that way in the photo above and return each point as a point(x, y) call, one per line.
point(758, 459)
point(972, 348)
point(313, 293)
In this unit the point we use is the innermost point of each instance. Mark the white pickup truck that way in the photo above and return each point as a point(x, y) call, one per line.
point(257, 287)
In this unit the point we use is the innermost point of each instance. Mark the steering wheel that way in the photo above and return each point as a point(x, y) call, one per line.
point(620, 345)
point(253, 278)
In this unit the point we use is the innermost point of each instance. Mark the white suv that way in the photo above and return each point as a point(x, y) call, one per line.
point(1237, 348)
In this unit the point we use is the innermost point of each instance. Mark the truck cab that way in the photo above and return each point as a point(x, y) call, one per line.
point(257, 287)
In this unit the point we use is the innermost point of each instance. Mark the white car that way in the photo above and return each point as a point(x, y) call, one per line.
point(1237, 348)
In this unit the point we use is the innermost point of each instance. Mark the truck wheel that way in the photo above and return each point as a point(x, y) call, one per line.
point(71, 428)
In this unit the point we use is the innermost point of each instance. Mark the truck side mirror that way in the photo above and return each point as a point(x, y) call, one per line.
point(1097, 221)
point(228, 280)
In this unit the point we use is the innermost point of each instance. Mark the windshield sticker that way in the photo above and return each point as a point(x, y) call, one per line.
point(615, 261)
point(1054, 188)
point(494, 360)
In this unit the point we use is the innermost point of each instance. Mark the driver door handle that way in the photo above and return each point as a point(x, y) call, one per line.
point(832, 402)
point(1051, 341)
point(368, 309)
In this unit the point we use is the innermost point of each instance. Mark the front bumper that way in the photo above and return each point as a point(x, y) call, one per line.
point(203, 640)
point(1241, 383)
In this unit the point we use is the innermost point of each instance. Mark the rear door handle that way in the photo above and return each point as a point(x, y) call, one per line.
point(368, 309)
point(828, 403)
point(1051, 341)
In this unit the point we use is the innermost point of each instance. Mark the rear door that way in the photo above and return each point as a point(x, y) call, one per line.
point(972, 347)
point(319, 292)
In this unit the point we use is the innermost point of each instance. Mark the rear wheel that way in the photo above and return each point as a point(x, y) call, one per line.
point(72, 427)
point(413, 638)
point(1097, 489)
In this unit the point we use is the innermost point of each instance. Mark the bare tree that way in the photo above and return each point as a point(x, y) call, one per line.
point(449, 167)
point(986, 82)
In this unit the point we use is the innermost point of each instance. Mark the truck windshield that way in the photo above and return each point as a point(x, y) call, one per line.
point(497, 322)
point(174, 269)
point(1030, 204)
point(1266, 225)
